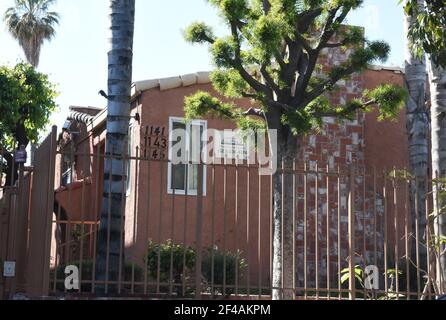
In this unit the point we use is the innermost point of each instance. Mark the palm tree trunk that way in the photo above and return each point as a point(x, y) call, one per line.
point(283, 224)
point(417, 130)
point(120, 57)
point(437, 78)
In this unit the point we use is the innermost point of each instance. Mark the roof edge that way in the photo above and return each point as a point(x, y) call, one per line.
point(163, 84)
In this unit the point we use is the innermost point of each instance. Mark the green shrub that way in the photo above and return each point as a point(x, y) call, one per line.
point(223, 261)
point(182, 259)
point(178, 258)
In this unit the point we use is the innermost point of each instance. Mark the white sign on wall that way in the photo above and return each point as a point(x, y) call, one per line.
point(9, 269)
point(230, 145)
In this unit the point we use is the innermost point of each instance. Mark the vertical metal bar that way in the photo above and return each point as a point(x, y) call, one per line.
point(397, 236)
point(375, 221)
point(236, 229)
point(58, 224)
point(406, 234)
point(97, 213)
point(125, 160)
point(339, 232)
point(172, 235)
point(305, 230)
point(186, 197)
point(351, 236)
point(328, 233)
point(248, 218)
point(364, 224)
point(107, 260)
point(316, 229)
point(282, 289)
point(259, 248)
point(386, 282)
point(225, 214)
point(213, 231)
point(160, 224)
point(135, 209)
point(428, 241)
point(271, 213)
point(294, 227)
point(70, 205)
point(437, 231)
point(82, 225)
point(147, 220)
point(417, 238)
point(199, 233)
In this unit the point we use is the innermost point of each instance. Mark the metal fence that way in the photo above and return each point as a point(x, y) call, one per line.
point(207, 232)
point(354, 236)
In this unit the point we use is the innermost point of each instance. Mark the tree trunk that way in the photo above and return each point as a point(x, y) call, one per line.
point(111, 237)
point(437, 78)
point(417, 130)
point(283, 264)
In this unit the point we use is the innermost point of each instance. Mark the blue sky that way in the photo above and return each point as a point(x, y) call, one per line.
point(76, 59)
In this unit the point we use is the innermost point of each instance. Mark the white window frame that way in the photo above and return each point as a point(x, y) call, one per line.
point(202, 123)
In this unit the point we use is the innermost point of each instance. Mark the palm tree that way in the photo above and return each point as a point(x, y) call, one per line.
point(418, 131)
point(31, 22)
point(120, 57)
point(437, 77)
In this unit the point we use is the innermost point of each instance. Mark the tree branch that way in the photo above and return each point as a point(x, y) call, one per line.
point(303, 42)
point(350, 109)
point(255, 112)
point(319, 90)
point(237, 64)
point(269, 80)
point(326, 34)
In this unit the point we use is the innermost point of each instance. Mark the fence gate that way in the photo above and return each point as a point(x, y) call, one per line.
point(25, 226)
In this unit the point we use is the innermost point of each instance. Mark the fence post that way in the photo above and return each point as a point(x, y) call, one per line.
point(351, 236)
point(199, 233)
point(49, 210)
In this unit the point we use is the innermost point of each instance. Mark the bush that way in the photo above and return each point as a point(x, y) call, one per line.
point(177, 257)
point(184, 270)
point(223, 261)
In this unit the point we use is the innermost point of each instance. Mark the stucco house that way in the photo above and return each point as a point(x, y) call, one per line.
point(161, 199)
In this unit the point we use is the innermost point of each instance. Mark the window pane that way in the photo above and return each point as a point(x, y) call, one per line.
point(193, 177)
point(180, 141)
point(178, 171)
point(178, 177)
point(196, 146)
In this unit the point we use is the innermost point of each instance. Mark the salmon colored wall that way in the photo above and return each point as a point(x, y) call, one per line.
point(387, 147)
point(386, 142)
point(161, 216)
point(153, 214)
